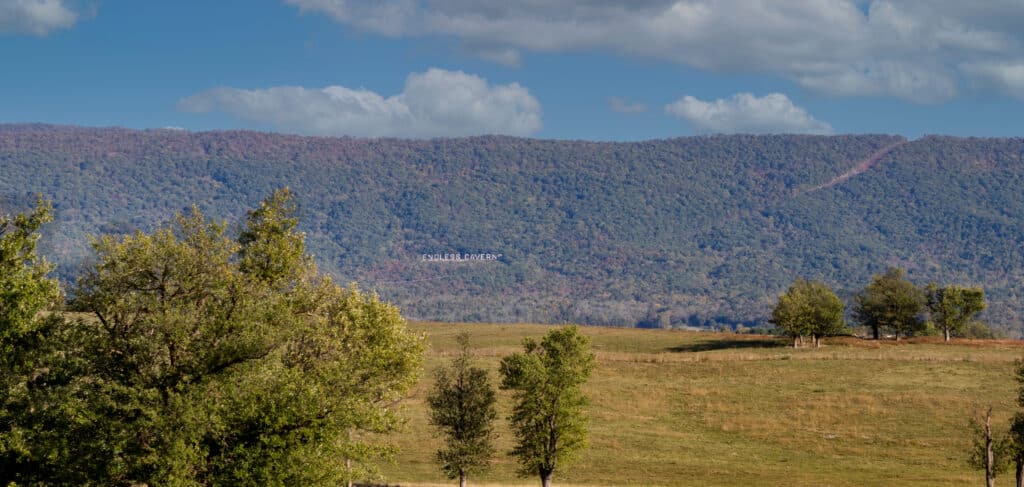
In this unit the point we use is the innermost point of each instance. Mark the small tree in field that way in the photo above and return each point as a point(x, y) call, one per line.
point(809, 308)
point(953, 307)
point(548, 418)
point(462, 408)
point(988, 451)
point(890, 302)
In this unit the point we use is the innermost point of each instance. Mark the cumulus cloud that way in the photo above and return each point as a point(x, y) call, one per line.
point(910, 49)
point(433, 104)
point(623, 105)
point(35, 17)
point(773, 113)
point(1005, 76)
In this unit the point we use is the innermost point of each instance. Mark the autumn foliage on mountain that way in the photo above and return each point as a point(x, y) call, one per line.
point(695, 231)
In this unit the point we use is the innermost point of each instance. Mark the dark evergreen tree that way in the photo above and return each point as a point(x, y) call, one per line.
point(462, 407)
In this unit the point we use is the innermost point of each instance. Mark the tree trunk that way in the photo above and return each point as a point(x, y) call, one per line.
point(545, 478)
point(817, 341)
point(801, 337)
point(990, 458)
point(897, 336)
point(795, 344)
point(348, 462)
point(874, 330)
point(945, 331)
point(462, 479)
point(1020, 472)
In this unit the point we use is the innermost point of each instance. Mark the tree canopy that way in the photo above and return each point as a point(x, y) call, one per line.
point(211, 360)
point(952, 308)
point(548, 416)
point(26, 293)
point(890, 302)
point(25, 285)
point(809, 308)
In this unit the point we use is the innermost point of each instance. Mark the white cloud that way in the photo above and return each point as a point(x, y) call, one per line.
point(35, 17)
point(1006, 76)
point(433, 104)
point(501, 55)
point(911, 49)
point(623, 105)
point(773, 113)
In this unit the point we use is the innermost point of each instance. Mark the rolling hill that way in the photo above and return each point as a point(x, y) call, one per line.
point(695, 231)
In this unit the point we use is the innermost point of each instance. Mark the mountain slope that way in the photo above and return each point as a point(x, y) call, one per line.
point(694, 231)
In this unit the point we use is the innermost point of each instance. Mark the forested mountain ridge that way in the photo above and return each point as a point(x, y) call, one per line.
point(695, 230)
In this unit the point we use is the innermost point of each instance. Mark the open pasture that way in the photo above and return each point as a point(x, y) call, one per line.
point(692, 408)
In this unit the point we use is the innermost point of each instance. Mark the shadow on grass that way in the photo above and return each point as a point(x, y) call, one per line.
point(727, 344)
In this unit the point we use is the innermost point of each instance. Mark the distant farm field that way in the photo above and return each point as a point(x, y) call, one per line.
point(688, 408)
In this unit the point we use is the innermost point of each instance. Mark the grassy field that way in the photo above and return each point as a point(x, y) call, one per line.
point(688, 408)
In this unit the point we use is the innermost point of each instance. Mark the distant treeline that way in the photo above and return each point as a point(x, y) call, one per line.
point(698, 231)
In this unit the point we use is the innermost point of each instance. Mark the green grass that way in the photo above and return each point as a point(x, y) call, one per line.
point(686, 408)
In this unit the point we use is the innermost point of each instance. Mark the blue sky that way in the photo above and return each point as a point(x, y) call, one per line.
point(585, 69)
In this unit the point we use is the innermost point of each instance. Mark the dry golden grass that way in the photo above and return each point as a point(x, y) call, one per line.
point(688, 408)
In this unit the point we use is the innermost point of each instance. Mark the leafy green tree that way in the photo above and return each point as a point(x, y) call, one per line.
point(548, 418)
point(25, 288)
point(890, 302)
point(26, 342)
point(809, 308)
point(462, 407)
point(789, 316)
point(271, 248)
point(952, 308)
point(215, 361)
